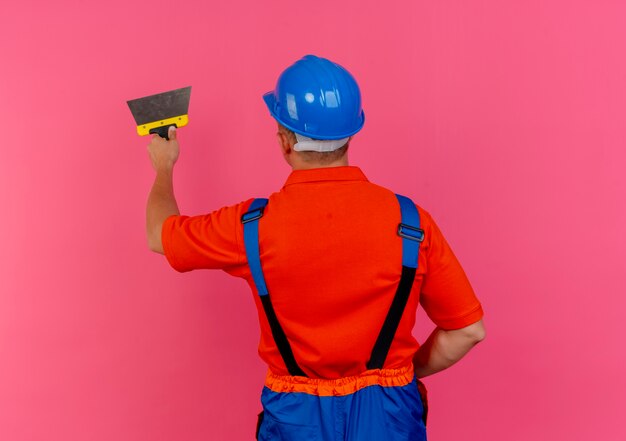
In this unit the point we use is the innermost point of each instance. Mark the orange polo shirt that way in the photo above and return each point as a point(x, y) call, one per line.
point(332, 261)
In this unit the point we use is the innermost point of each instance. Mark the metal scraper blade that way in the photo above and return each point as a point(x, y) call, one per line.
point(161, 109)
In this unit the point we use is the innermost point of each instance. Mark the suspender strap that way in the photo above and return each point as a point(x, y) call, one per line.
point(412, 235)
point(281, 339)
point(250, 222)
point(410, 231)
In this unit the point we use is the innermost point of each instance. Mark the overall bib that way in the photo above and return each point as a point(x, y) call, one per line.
point(378, 404)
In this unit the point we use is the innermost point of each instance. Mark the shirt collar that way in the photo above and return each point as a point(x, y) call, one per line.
point(344, 173)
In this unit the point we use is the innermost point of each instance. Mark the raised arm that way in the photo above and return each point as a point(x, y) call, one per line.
point(161, 201)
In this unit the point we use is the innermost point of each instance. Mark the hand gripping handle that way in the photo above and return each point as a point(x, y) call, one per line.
point(162, 131)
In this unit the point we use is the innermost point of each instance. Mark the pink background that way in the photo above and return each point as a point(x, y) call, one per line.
point(504, 119)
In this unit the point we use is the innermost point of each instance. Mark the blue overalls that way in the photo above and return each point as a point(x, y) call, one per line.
point(377, 405)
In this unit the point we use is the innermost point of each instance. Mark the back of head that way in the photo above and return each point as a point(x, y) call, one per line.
point(320, 157)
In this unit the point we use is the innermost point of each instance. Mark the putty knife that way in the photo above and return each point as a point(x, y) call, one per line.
point(156, 113)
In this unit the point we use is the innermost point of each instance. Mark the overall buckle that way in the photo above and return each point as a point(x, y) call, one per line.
point(252, 215)
point(411, 233)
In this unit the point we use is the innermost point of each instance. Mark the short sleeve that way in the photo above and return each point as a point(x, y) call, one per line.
point(208, 241)
point(447, 295)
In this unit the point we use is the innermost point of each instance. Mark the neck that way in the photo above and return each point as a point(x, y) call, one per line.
point(303, 165)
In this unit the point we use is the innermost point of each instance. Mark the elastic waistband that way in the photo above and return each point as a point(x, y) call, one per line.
point(340, 386)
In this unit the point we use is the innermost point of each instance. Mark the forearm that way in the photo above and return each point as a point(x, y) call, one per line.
point(161, 205)
point(444, 348)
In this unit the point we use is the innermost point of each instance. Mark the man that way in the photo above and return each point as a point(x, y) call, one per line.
point(338, 266)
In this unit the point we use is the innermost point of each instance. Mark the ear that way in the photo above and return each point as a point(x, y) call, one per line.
point(283, 141)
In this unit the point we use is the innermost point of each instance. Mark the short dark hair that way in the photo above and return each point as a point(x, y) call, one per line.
point(316, 157)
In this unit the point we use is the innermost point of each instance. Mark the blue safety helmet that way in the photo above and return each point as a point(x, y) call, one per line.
point(318, 99)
